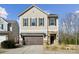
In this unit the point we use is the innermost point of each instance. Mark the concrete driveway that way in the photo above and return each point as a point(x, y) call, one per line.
point(34, 49)
point(28, 49)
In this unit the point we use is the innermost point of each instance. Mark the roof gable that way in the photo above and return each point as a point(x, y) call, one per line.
point(31, 8)
point(1, 18)
point(8, 21)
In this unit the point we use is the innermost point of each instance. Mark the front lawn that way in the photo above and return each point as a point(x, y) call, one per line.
point(62, 47)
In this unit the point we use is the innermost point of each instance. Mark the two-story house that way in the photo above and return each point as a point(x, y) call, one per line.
point(37, 27)
point(9, 30)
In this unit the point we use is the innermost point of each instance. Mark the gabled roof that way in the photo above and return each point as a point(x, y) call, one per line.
point(31, 8)
point(3, 19)
point(8, 21)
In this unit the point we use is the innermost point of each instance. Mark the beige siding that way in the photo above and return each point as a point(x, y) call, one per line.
point(33, 13)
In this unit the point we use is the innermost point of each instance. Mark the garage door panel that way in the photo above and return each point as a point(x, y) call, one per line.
point(2, 38)
point(34, 40)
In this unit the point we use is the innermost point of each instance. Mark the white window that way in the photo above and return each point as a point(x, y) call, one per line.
point(10, 28)
point(52, 21)
point(1, 26)
point(25, 21)
point(41, 21)
point(33, 21)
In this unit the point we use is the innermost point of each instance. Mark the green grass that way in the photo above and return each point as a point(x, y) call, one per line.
point(70, 41)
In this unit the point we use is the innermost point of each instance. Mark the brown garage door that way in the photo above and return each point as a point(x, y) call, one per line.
point(33, 40)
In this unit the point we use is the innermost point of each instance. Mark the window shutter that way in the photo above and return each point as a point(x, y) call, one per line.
point(2, 26)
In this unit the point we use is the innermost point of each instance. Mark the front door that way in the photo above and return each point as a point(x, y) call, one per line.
point(52, 38)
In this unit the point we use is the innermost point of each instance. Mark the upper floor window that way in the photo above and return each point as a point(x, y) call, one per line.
point(1, 26)
point(33, 21)
point(41, 21)
point(52, 21)
point(25, 21)
point(9, 27)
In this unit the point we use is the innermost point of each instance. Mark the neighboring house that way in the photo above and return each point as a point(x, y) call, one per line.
point(37, 27)
point(9, 30)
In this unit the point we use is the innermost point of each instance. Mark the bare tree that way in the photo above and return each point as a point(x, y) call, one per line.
point(70, 27)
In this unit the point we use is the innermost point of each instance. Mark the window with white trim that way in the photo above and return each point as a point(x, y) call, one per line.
point(1, 26)
point(52, 21)
point(41, 21)
point(25, 21)
point(33, 21)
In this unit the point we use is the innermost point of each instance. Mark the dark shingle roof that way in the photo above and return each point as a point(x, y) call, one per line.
point(53, 15)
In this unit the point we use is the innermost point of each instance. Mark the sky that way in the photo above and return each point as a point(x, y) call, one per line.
point(13, 10)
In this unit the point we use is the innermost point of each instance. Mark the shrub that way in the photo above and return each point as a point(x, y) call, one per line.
point(47, 43)
point(65, 41)
point(8, 44)
point(62, 47)
point(78, 41)
point(69, 41)
point(72, 41)
point(54, 47)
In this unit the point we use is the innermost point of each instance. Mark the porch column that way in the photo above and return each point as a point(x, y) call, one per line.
point(44, 40)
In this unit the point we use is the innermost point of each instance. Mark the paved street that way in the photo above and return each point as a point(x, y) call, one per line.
point(35, 49)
